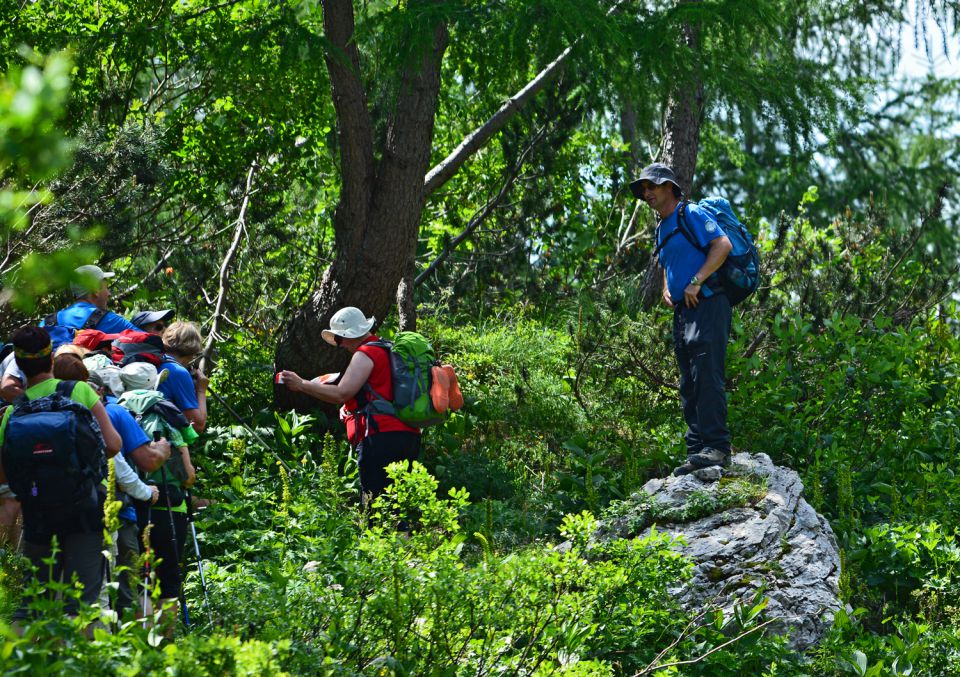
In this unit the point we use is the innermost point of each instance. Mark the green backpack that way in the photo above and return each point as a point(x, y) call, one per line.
point(411, 358)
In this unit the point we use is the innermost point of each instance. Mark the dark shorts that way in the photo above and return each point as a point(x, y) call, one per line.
point(376, 452)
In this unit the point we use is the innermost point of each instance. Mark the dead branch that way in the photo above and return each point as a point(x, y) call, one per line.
point(444, 170)
point(480, 216)
point(218, 312)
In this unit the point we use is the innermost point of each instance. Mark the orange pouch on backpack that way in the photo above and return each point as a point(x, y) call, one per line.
point(439, 389)
point(454, 396)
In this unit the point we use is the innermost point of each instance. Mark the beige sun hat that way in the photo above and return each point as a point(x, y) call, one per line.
point(348, 323)
point(141, 376)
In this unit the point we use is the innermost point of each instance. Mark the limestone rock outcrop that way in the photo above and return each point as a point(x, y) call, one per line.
point(777, 540)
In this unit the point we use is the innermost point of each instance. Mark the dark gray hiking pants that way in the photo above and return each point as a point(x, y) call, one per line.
point(700, 343)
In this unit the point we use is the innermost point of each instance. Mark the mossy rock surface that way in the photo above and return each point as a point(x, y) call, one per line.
point(746, 528)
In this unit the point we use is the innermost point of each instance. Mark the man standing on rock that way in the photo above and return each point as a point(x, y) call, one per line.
point(701, 312)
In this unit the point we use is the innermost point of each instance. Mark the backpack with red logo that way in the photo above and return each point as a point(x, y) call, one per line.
point(53, 454)
point(137, 346)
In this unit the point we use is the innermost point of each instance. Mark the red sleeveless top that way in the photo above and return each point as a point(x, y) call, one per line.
point(381, 381)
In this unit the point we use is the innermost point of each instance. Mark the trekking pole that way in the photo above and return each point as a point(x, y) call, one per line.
point(173, 535)
point(250, 429)
point(196, 551)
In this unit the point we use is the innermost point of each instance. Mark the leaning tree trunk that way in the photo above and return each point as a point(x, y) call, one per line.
point(377, 219)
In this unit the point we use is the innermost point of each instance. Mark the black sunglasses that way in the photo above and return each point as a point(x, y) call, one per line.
point(338, 339)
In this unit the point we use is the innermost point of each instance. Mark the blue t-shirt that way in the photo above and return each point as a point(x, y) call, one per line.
point(75, 316)
point(681, 259)
point(132, 436)
point(178, 387)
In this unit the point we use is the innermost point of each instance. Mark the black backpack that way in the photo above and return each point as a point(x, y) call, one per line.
point(53, 454)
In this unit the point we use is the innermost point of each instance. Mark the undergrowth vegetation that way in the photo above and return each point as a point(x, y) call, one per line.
point(568, 412)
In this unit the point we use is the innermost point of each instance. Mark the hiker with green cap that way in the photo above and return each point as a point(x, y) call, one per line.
point(691, 247)
point(380, 439)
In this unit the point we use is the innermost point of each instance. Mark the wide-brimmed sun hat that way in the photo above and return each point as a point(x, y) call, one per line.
point(141, 376)
point(657, 173)
point(348, 323)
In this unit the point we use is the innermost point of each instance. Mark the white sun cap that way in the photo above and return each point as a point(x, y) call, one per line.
point(142, 376)
point(348, 323)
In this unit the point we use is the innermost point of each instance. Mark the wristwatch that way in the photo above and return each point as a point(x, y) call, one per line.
point(695, 281)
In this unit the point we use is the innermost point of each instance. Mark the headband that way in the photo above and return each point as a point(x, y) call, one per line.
point(24, 355)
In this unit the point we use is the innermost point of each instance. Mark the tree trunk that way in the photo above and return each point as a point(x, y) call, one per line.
point(678, 149)
point(684, 116)
point(406, 304)
point(376, 222)
point(378, 217)
point(628, 130)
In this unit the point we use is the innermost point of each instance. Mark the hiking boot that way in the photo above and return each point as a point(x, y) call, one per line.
point(706, 457)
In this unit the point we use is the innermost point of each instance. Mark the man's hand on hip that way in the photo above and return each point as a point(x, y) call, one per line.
point(691, 295)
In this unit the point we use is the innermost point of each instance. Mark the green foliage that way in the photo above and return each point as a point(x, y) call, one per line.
point(843, 366)
point(33, 149)
point(896, 560)
point(32, 145)
point(904, 647)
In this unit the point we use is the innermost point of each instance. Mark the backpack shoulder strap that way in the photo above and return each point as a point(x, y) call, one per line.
point(685, 229)
point(659, 248)
point(681, 228)
point(20, 401)
point(93, 319)
point(386, 345)
point(65, 388)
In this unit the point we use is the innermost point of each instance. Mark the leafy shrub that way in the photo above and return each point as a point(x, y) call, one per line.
point(895, 560)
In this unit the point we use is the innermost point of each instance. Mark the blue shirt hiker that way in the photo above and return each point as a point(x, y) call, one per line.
point(76, 315)
point(133, 437)
point(679, 258)
point(178, 386)
point(691, 247)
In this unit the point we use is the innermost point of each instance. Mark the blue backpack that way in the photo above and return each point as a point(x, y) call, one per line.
point(61, 334)
point(739, 276)
point(53, 454)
